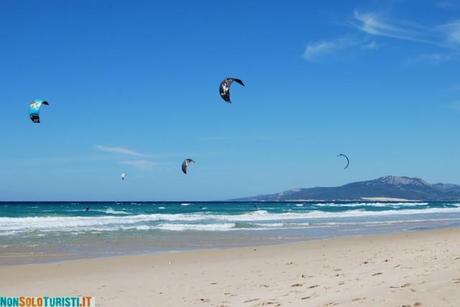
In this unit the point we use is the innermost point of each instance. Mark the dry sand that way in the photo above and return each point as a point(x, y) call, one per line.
point(408, 269)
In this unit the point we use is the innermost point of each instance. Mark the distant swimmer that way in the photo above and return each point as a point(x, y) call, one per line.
point(346, 157)
point(87, 209)
point(34, 109)
point(186, 164)
point(224, 88)
point(123, 176)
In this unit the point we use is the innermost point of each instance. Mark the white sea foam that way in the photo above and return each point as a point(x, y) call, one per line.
point(110, 210)
point(261, 219)
point(365, 204)
point(197, 227)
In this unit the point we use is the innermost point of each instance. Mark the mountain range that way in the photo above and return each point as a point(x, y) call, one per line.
point(388, 188)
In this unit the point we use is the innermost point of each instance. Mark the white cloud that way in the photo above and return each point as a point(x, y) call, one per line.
point(445, 35)
point(455, 87)
point(434, 58)
point(373, 24)
point(141, 164)
point(455, 105)
point(370, 46)
point(119, 150)
point(315, 50)
point(447, 5)
point(452, 32)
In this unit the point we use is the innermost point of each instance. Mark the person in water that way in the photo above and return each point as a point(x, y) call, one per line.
point(87, 209)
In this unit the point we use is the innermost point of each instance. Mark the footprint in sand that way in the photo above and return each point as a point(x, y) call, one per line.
point(251, 300)
point(297, 285)
point(358, 299)
point(376, 274)
point(269, 303)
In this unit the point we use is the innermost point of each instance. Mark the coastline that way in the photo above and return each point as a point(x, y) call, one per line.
point(408, 268)
point(50, 232)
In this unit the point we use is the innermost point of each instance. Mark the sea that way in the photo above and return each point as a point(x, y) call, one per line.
point(32, 232)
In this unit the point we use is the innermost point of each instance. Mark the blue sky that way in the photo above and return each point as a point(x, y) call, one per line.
point(133, 87)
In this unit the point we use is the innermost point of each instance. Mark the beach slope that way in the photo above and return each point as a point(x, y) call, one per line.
point(406, 269)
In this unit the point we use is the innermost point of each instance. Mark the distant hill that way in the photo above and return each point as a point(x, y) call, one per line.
point(388, 188)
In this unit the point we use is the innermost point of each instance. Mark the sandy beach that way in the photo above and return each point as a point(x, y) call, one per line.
point(406, 269)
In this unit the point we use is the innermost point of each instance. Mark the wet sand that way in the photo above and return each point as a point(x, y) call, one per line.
point(405, 269)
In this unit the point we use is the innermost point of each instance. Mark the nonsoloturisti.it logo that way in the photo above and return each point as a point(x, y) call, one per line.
point(47, 301)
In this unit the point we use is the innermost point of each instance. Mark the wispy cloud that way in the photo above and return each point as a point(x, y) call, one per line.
point(316, 50)
point(119, 150)
point(455, 87)
point(370, 46)
point(445, 35)
point(452, 32)
point(455, 105)
point(373, 24)
point(434, 58)
point(447, 4)
point(141, 164)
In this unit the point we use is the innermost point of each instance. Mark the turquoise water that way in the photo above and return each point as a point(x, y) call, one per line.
point(113, 228)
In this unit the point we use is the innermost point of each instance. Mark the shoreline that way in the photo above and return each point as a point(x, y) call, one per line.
point(413, 268)
point(61, 258)
point(228, 240)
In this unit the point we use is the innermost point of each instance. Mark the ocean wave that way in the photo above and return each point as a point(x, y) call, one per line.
point(110, 210)
point(196, 227)
point(373, 204)
point(120, 220)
